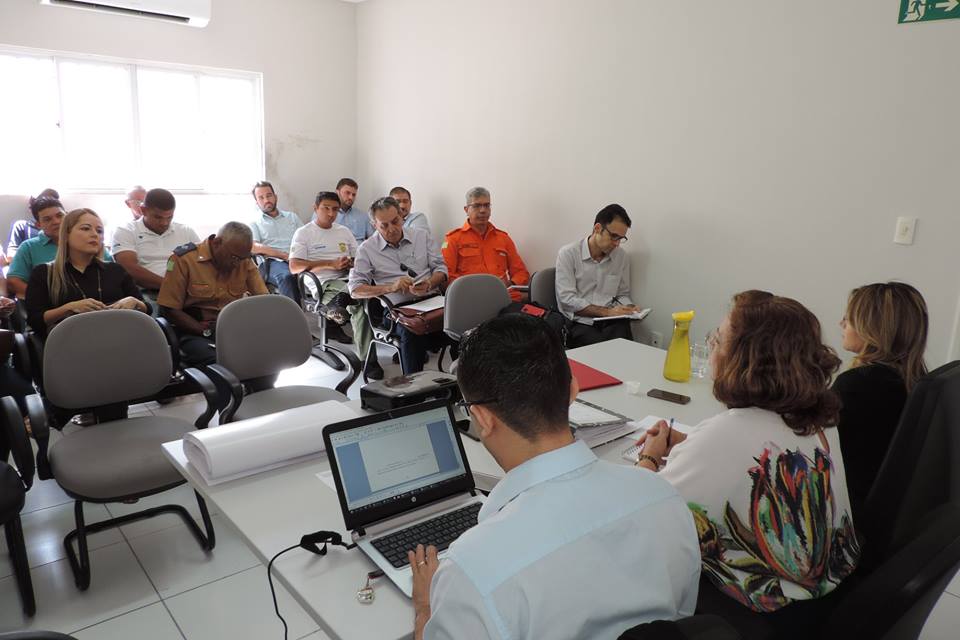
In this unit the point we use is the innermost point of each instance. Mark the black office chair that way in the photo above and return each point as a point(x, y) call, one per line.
point(893, 602)
point(312, 288)
point(701, 627)
point(14, 484)
point(384, 330)
point(922, 468)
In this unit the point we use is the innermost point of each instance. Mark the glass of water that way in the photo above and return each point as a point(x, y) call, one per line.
point(699, 359)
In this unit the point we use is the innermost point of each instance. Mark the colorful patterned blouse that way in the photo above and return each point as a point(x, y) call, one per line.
point(771, 507)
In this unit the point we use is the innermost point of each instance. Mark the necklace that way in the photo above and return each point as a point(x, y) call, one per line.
point(82, 293)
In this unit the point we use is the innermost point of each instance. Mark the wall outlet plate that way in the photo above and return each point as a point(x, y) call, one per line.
point(906, 226)
point(656, 339)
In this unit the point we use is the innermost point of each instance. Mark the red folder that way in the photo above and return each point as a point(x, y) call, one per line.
point(589, 378)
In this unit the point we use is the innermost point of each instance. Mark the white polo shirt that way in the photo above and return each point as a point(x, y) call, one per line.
point(313, 242)
point(152, 249)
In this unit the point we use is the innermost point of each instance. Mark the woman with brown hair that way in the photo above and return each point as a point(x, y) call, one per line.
point(78, 280)
point(765, 479)
point(885, 326)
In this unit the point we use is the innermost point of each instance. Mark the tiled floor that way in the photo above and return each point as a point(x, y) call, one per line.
point(151, 580)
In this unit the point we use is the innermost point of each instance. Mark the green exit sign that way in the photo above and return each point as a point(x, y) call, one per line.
point(927, 10)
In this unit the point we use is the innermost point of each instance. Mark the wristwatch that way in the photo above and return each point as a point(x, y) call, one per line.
point(206, 333)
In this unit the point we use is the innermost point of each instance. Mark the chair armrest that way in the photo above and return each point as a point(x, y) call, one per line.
point(19, 441)
point(40, 429)
point(209, 391)
point(172, 340)
point(354, 367)
point(21, 356)
point(236, 391)
point(35, 350)
point(302, 279)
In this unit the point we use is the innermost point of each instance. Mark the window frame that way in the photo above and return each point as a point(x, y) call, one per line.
point(132, 65)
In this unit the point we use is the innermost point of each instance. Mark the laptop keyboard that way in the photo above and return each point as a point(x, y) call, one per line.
point(440, 532)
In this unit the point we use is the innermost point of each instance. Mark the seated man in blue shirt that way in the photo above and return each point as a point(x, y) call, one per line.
point(272, 235)
point(566, 545)
point(389, 262)
point(352, 218)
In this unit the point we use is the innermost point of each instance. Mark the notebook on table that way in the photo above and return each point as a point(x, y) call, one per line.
point(590, 378)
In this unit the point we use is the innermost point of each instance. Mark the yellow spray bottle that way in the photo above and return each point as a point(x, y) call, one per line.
point(677, 365)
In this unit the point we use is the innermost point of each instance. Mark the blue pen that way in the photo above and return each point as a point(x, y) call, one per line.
point(670, 431)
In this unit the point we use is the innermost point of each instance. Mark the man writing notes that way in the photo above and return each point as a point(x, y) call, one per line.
point(566, 546)
point(479, 247)
point(398, 260)
point(593, 280)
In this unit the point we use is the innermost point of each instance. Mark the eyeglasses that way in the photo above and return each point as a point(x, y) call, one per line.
point(238, 259)
point(478, 205)
point(616, 237)
point(466, 404)
point(410, 272)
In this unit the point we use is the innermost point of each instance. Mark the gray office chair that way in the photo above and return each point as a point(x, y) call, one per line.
point(14, 484)
point(259, 336)
point(471, 301)
point(543, 288)
point(96, 360)
point(312, 288)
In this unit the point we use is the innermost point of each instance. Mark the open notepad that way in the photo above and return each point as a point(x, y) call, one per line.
point(243, 448)
point(639, 315)
point(631, 452)
point(429, 304)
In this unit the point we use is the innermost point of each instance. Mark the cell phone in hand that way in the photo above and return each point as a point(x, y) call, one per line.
point(660, 394)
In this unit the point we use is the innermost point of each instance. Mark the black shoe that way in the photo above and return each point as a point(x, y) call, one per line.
point(334, 332)
point(334, 313)
point(373, 371)
point(396, 358)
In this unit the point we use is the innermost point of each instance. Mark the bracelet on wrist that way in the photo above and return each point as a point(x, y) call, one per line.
point(650, 459)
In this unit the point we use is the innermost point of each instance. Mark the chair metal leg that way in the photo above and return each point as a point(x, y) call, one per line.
point(319, 349)
point(21, 566)
point(80, 560)
point(81, 564)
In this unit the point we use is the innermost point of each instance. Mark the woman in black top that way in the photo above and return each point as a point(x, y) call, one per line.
point(78, 281)
point(886, 327)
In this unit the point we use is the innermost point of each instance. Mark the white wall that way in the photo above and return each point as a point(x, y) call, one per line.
point(755, 144)
point(305, 50)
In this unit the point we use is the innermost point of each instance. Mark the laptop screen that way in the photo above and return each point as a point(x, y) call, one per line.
point(396, 458)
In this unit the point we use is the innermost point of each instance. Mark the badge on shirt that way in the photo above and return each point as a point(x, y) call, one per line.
point(169, 264)
point(343, 247)
point(444, 245)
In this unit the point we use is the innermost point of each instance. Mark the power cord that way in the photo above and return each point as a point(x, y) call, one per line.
point(310, 542)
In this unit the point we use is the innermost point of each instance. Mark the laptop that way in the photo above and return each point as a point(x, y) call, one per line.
point(402, 479)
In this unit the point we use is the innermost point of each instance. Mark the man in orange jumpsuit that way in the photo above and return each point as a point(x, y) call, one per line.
point(479, 247)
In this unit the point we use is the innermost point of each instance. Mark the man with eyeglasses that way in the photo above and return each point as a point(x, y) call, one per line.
point(398, 260)
point(202, 279)
point(566, 545)
point(593, 281)
point(479, 247)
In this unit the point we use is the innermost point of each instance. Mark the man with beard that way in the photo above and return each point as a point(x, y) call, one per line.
point(272, 234)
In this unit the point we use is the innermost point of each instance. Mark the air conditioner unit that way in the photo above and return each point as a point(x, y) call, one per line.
point(193, 13)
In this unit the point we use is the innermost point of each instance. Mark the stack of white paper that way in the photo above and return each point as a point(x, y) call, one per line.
point(247, 447)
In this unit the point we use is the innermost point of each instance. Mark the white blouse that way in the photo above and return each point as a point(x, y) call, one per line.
point(771, 507)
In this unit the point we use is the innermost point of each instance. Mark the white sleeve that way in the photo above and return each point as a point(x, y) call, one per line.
point(192, 236)
point(298, 245)
point(457, 610)
point(623, 292)
point(568, 298)
point(123, 240)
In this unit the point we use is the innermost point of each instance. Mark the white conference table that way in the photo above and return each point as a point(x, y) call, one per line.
point(272, 510)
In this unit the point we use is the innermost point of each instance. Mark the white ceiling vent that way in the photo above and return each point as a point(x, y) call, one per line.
point(193, 13)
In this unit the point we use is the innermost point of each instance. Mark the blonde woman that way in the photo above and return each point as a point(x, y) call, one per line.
point(886, 327)
point(78, 280)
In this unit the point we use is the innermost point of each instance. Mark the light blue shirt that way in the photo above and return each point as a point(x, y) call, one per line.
point(581, 281)
point(276, 232)
point(37, 250)
point(378, 262)
point(568, 546)
point(358, 222)
point(416, 219)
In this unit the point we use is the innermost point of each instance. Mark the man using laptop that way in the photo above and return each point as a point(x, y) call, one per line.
point(566, 545)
